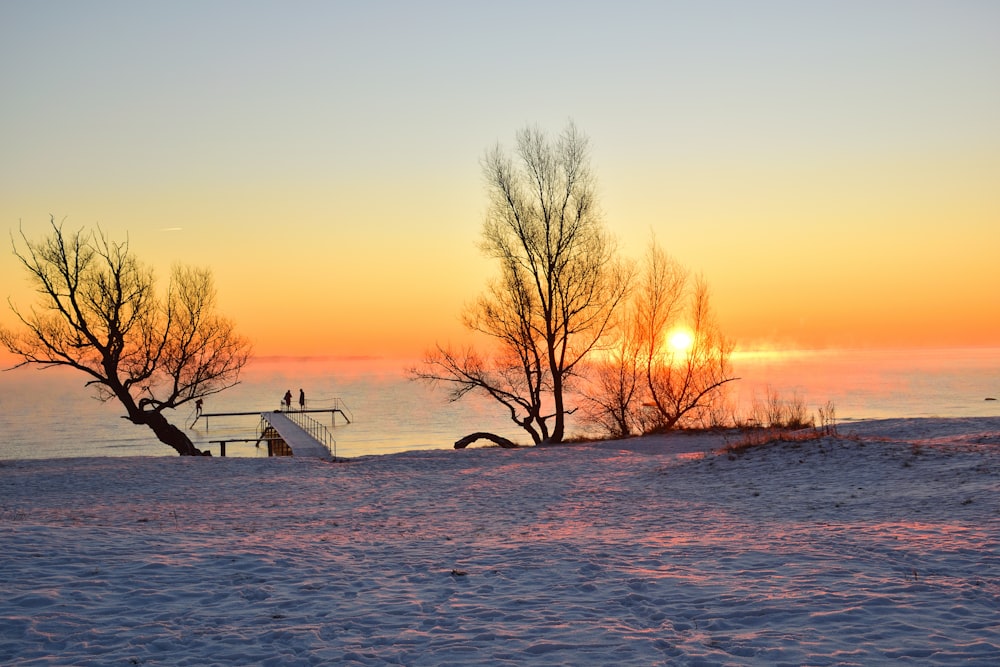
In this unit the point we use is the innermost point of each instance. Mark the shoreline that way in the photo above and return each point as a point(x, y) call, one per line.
point(663, 443)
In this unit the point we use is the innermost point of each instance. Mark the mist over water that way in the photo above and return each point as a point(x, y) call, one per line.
point(49, 413)
point(878, 384)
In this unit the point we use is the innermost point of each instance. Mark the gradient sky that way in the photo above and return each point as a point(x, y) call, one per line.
point(833, 168)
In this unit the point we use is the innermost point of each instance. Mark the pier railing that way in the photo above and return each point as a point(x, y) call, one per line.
point(317, 431)
point(331, 405)
point(341, 407)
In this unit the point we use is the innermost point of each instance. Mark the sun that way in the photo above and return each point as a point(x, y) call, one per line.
point(680, 340)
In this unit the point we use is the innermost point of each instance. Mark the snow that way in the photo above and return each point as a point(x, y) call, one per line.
point(882, 544)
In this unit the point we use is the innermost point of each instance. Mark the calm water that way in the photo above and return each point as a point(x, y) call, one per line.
point(880, 384)
point(49, 413)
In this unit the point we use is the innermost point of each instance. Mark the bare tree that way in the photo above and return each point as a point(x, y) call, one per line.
point(644, 384)
point(99, 313)
point(617, 382)
point(559, 286)
point(684, 383)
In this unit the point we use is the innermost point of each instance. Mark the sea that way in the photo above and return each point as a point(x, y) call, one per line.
point(50, 413)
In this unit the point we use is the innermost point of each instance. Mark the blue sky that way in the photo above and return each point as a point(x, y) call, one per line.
point(831, 167)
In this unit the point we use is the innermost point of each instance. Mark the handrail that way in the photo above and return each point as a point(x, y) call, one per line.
point(338, 404)
point(316, 430)
point(331, 405)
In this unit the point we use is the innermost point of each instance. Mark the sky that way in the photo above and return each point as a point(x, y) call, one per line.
point(831, 168)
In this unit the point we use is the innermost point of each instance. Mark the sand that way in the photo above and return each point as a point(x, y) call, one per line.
point(882, 544)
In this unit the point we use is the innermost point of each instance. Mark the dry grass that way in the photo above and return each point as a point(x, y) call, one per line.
point(759, 437)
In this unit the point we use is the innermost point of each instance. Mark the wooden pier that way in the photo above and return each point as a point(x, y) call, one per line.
point(287, 432)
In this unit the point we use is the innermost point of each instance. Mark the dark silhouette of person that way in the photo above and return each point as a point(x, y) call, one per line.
point(288, 399)
point(302, 400)
point(197, 408)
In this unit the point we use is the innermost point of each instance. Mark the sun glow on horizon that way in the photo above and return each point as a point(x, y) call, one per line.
point(680, 341)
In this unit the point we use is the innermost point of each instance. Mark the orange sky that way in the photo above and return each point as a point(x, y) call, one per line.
point(832, 168)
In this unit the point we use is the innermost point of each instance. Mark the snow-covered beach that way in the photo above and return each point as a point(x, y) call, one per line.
point(882, 544)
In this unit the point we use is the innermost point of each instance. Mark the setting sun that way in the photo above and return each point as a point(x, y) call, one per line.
point(680, 340)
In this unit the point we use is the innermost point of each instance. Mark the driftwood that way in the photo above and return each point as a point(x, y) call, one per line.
point(462, 443)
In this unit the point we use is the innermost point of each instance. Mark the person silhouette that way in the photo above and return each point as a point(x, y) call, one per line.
point(288, 400)
point(302, 400)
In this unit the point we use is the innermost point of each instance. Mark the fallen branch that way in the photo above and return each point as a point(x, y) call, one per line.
point(462, 443)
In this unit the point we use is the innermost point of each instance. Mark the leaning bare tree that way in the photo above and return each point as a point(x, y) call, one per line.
point(100, 314)
point(644, 384)
point(560, 283)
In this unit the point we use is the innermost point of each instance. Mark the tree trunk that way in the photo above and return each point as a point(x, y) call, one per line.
point(169, 434)
point(558, 429)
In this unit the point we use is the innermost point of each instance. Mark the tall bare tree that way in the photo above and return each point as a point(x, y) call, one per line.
point(99, 313)
point(559, 286)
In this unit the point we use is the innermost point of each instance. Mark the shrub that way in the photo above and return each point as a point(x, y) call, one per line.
point(777, 413)
point(777, 420)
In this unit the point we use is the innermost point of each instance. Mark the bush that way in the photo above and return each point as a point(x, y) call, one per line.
point(777, 420)
point(774, 412)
